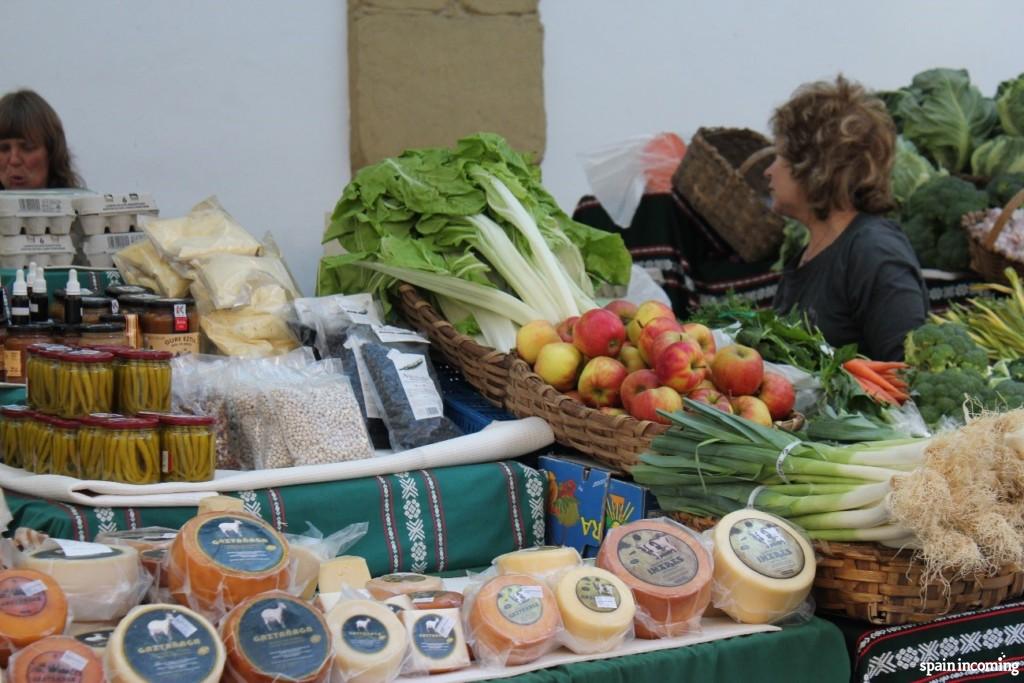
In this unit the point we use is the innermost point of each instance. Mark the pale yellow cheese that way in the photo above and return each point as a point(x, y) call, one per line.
point(369, 641)
point(220, 504)
point(166, 643)
point(347, 570)
point(306, 570)
point(437, 642)
point(399, 603)
point(539, 561)
point(597, 609)
point(383, 587)
point(764, 567)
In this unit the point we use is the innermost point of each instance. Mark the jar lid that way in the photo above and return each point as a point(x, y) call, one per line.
point(16, 411)
point(86, 356)
point(121, 290)
point(100, 419)
point(139, 299)
point(130, 423)
point(102, 328)
point(96, 302)
point(31, 329)
point(107, 348)
point(167, 302)
point(188, 420)
point(112, 318)
point(57, 421)
point(144, 354)
point(47, 350)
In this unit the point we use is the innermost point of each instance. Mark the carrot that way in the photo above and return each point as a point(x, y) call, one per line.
point(896, 381)
point(861, 369)
point(876, 392)
point(884, 366)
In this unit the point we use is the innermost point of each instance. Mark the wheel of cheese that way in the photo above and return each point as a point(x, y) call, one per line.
point(436, 641)
point(369, 641)
point(764, 568)
point(101, 582)
point(142, 539)
point(32, 607)
point(513, 620)
point(597, 609)
point(164, 644)
point(384, 587)
point(542, 560)
point(436, 600)
point(57, 659)
point(220, 504)
point(276, 637)
point(220, 559)
point(668, 570)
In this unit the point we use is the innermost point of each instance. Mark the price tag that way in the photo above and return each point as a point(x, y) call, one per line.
point(531, 592)
point(606, 602)
point(183, 625)
point(74, 661)
point(32, 588)
point(82, 549)
point(445, 627)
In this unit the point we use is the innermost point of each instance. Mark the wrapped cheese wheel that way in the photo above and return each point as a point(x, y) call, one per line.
point(513, 620)
point(369, 641)
point(437, 643)
point(32, 607)
point(57, 659)
point(597, 609)
point(220, 559)
point(383, 587)
point(142, 539)
point(668, 569)
point(276, 637)
point(164, 644)
point(436, 600)
point(764, 567)
point(93, 635)
point(540, 561)
point(399, 603)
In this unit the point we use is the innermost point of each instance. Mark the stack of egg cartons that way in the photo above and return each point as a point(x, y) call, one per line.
point(107, 223)
point(35, 226)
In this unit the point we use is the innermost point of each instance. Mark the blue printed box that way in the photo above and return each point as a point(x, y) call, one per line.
point(576, 503)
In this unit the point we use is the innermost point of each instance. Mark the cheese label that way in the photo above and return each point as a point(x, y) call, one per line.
point(19, 597)
point(597, 594)
point(657, 558)
point(239, 544)
point(520, 605)
point(157, 651)
point(95, 639)
point(78, 551)
point(766, 548)
point(365, 634)
point(284, 639)
point(55, 666)
point(430, 637)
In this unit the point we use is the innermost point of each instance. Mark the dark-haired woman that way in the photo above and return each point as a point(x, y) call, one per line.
point(33, 151)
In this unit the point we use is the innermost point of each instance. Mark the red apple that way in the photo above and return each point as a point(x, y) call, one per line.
point(565, 328)
point(559, 365)
point(630, 357)
point(650, 334)
point(636, 383)
point(703, 335)
point(600, 382)
point(626, 310)
point(647, 404)
point(533, 336)
point(777, 393)
point(665, 340)
point(712, 397)
point(737, 370)
point(645, 313)
point(599, 333)
point(753, 409)
point(706, 383)
point(681, 366)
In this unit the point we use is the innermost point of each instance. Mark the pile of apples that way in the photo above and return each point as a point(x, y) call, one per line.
point(637, 360)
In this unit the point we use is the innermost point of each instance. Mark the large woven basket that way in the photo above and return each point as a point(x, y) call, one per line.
point(985, 260)
point(483, 367)
point(722, 177)
point(879, 585)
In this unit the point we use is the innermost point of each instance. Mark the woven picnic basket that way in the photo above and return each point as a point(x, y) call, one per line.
point(870, 582)
point(722, 178)
point(985, 260)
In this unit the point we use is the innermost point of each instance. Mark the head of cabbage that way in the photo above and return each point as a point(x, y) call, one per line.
point(1001, 154)
point(910, 170)
point(1010, 106)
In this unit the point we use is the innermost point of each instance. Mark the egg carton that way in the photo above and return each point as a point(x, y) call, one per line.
point(38, 212)
point(98, 250)
point(112, 213)
point(17, 251)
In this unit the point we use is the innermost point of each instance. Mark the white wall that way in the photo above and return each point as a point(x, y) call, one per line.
point(248, 98)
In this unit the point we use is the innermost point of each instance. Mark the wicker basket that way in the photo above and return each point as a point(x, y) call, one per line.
point(722, 177)
point(483, 367)
point(984, 259)
point(879, 585)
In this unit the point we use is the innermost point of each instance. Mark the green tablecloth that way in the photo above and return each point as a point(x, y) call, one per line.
point(433, 520)
point(812, 652)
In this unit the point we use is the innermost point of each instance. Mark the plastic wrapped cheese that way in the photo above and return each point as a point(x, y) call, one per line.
point(207, 230)
point(435, 600)
point(669, 570)
point(369, 641)
point(275, 637)
point(140, 264)
point(541, 561)
point(513, 619)
point(232, 280)
point(54, 660)
point(764, 567)
point(436, 641)
point(597, 610)
point(32, 607)
point(93, 635)
point(164, 644)
point(402, 583)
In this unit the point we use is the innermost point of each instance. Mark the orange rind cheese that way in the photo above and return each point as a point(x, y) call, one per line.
point(513, 620)
point(435, 600)
point(57, 659)
point(668, 570)
point(32, 607)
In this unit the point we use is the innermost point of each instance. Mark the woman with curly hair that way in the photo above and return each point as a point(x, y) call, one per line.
point(33, 152)
point(858, 279)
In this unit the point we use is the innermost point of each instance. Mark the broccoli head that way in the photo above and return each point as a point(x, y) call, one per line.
point(943, 200)
point(942, 394)
point(1009, 395)
point(951, 251)
point(1002, 187)
point(935, 347)
point(922, 239)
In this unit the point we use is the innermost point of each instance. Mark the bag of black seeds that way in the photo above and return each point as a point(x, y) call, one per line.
point(406, 390)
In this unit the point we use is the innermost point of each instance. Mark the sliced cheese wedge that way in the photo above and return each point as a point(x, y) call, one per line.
point(539, 561)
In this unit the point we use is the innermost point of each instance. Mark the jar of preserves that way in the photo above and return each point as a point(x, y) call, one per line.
point(93, 306)
point(117, 291)
point(13, 419)
point(92, 445)
point(41, 372)
point(188, 447)
point(60, 451)
point(102, 333)
point(143, 380)
point(171, 325)
point(38, 435)
point(19, 338)
point(3, 341)
point(135, 303)
point(132, 450)
point(85, 382)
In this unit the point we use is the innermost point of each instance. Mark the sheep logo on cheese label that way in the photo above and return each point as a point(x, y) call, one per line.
point(434, 636)
point(55, 666)
point(365, 634)
point(169, 646)
point(767, 548)
point(285, 639)
point(658, 558)
point(21, 597)
point(240, 544)
point(95, 639)
point(597, 594)
point(521, 604)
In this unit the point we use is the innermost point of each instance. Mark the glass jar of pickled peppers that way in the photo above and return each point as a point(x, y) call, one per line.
point(41, 370)
point(85, 382)
point(56, 448)
point(143, 380)
point(34, 432)
point(13, 419)
point(188, 447)
point(132, 450)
